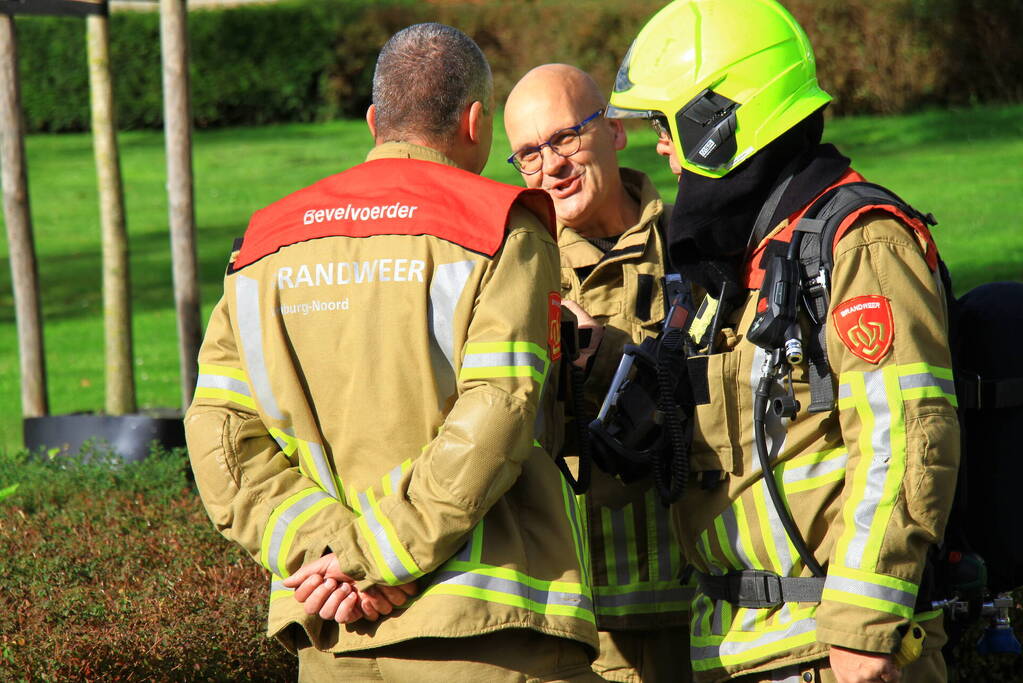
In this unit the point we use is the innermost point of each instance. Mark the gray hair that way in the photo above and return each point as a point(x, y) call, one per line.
point(425, 76)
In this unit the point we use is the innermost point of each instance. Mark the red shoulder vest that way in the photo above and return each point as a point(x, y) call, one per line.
point(393, 197)
point(754, 273)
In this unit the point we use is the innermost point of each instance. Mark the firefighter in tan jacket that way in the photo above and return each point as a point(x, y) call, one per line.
point(610, 222)
point(866, 465)
point(374, 407)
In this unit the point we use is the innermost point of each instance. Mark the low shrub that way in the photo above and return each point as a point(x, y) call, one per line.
point(113, 572)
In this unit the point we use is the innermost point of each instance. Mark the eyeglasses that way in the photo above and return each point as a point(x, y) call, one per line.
point(660, 125)
point(564, 142)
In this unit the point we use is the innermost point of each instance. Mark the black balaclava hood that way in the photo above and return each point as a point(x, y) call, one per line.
point(713, 219)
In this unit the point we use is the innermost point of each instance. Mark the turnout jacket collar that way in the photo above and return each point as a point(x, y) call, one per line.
point(394, 193)
point(576, 250)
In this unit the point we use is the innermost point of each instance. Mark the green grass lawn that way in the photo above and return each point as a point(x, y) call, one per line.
point(964, 166)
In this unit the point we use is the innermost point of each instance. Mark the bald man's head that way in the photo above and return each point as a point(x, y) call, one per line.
point(586, 185)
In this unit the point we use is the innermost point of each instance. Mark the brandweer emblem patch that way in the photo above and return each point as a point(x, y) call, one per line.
point(865, 325)
point(554, 325)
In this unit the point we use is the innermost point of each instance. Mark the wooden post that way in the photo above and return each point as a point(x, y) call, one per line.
point(178, 132)
point(18, 217)
point(120, 373)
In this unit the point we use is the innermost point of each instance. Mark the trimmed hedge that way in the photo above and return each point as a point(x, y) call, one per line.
point(310, 60)
point(114, 572)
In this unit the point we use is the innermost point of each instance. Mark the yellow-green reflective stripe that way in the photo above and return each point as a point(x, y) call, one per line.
point(278, 589)
point(491, 372)
point(702, 608)
point(287, 442)
point(510, 587)
point(813, 470)
point(499, 347)
point(283, 524)
point(921, 617)
point(922, 380)
point(739, 647)
point(629, 541)
point(834, 595)
point(400, 565)
point(645, 597)
point(744, 534)
point(504, 359)
point(766, 533)
point(378, 557)
point(875, 591)
point(389, 482)
point(723, 542)
point(579, 540)
point(476, 547)
point(224, 371)
point(705, 662)
point(225, 395)
point(317, 467)
point(893, 471)
point(852, 384)
point(609, 546)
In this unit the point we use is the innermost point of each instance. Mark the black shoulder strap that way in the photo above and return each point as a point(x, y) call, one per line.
point(820, 225)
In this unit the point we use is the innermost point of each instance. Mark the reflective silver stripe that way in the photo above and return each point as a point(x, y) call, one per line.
point(844, 391)
point(278, 585)
point(877, 473)
point(395, 477)
point(870, 590)
point(717, 617)
point(778, 535)
point(502, 359)
point(325, 475)
point(465, 552)
point(281, 529)
point(816, 469)
point(620, 544)
point(646, 597)
point(926, 379)
point(700, 606)
point(509, 587)
point(282, 442)
point(774, 426)
point(732, 648)
point(251, 327)
point(382, 542)
point(222, 382)
point(446, 288)
point(732, 530)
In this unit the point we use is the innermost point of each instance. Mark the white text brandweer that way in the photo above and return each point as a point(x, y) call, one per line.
point(859, 307)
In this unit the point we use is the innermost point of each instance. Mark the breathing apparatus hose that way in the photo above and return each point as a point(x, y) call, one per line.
point(672, 477)
point(760, 406)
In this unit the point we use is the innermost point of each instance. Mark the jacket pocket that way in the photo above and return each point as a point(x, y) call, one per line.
point(714, 434)
point(932, 460)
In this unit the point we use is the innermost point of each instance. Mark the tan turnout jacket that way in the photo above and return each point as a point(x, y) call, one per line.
point(869, 484)
point(396, 410)
point(636, 560)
